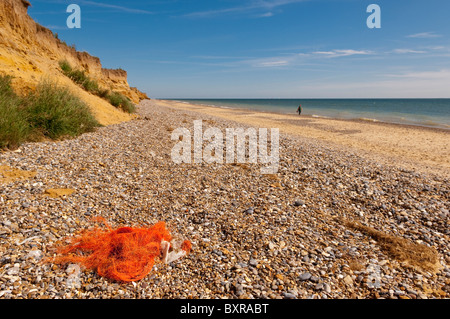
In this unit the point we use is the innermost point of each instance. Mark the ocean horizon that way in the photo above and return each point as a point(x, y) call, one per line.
point(420, 112)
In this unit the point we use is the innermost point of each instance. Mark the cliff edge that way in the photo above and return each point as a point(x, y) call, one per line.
point(31, 53)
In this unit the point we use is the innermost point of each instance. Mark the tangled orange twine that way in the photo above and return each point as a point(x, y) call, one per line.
point(122, 254)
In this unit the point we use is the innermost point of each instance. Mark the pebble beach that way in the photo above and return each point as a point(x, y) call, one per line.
point(333, 223)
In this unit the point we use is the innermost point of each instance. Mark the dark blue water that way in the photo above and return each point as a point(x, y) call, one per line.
point(422, 112)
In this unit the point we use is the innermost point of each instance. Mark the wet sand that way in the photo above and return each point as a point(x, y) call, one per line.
point(411, 147)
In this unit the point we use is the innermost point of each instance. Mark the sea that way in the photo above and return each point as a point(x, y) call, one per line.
point(421, 112)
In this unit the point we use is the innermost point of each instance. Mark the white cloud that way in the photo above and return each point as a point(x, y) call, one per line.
point(427, 84)
point(272, 63)
point(405, 51)
point(340, 53)
point(115, 7)
point(443, 74)
point(254, 5)
point(298, 58)
point(424, 35)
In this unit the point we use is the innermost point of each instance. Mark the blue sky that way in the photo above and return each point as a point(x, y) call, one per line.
point(264, 48)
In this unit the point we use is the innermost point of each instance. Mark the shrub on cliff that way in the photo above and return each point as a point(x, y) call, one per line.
point(116, 99)
point(79, 77)
point(14, 127)
point(51, 111)
point(65, 67)
point(121, 101)
point(55, 112)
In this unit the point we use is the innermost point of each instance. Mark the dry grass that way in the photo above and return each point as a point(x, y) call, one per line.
point(417, 256)
point(355, 264)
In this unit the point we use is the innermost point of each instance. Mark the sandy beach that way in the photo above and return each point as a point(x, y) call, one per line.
point(413, 147)
point(344, 217)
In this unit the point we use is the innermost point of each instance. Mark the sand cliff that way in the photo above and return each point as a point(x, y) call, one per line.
point(31, 53)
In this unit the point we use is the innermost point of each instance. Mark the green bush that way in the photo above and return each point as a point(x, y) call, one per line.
point(91, 86)
point(14, 127)
point(116, 99)
point(103, 93)
point(65, 67)
point(6, 90)
point(78, 76)
point(56, 113)
point(51, 111)
point(122, 102)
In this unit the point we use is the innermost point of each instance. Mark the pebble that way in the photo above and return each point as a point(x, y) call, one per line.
point(319, 287)
point(253, 262)
point(14, 270)
point(298, 203)
point(288, 295)
point(314, 279)
point(348, 280)
point(35, 254)
point(251, 210)
point(305, 276)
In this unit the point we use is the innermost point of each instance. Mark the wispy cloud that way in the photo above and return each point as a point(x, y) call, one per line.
point(341, 53)
point(265, 15)
point(271, 64)
point(302, 58)
point(255, 5)
point(406, 51)
point(443, 74)
point(424, 35)
point(115, 7)
point(426, 84)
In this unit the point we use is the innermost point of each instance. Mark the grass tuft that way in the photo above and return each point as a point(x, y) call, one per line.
point(56, 113)
point(79, 76)
point(120, 101)
point(49, 112)
point(14, 127)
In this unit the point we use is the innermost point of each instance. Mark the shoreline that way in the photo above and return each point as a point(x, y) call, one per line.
point(357, 120)
point(414, 147)
point(313, 116)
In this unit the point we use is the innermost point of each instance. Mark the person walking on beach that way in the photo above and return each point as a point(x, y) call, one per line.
point(299, 110)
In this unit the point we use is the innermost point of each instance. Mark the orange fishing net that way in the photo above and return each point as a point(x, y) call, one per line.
point(122, 254)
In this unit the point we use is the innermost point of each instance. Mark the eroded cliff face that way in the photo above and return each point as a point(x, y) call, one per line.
point(31, 53)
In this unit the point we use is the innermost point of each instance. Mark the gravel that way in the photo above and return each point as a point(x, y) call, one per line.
point(252, 235)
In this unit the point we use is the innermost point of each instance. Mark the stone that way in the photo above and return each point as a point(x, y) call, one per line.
point(35, 254)
point(14, 270)
point(305, 276)
point(253, 262)
point(314, 279)
point(298, 203)
point(348, 280)
point(319, 287)
point(289, 295)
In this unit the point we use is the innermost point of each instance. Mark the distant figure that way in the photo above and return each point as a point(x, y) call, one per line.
point(299, 110)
